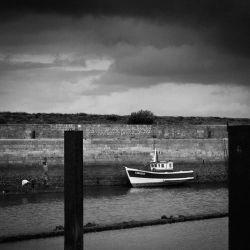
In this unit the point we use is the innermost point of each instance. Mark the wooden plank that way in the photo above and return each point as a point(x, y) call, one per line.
point(73, 190)
point(239, 186)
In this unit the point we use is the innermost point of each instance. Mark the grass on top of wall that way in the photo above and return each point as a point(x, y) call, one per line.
point(83, 118)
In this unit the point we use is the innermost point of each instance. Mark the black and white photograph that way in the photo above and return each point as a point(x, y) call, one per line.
point(124, 124)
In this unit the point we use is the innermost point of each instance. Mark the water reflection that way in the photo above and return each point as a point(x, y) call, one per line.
point(30, 213)
point(21, 199)
point(104, 191)
point(116, 205)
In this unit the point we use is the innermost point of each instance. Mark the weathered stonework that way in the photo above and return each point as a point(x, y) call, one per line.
point(107, 148)
point(37, 131)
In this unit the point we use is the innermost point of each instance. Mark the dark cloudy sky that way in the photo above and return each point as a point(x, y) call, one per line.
point(182, 57)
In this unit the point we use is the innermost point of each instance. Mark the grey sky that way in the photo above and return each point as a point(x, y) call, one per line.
point(176, 58)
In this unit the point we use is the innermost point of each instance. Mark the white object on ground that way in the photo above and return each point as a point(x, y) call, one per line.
point(24, 182)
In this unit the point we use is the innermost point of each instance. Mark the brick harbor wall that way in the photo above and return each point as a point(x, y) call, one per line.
point(108, 148)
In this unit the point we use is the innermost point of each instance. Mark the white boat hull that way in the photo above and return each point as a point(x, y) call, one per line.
point(140, 178)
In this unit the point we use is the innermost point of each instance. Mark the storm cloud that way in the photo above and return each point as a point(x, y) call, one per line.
point(229, 19)
point(109, 46)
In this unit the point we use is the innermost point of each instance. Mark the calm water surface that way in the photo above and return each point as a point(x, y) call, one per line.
point(31, 213)
point(195, 235)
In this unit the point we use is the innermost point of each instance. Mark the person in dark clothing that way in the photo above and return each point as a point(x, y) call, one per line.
point(45, 172)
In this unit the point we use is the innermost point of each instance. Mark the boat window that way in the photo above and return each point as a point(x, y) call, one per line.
point(162, 165)
point(170, 165)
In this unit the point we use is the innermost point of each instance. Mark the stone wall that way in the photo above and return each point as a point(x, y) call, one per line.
point(36, 131)
point(108, 148)
point(106, 151)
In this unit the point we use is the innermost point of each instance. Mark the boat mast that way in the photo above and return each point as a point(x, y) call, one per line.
point(155, 158)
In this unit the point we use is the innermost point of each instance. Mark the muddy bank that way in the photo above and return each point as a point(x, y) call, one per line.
point(98, 175)
point(60, 189)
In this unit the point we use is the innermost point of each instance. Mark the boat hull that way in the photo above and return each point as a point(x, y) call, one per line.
point(140, 178)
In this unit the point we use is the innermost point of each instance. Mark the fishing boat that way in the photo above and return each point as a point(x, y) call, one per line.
point(159, 173)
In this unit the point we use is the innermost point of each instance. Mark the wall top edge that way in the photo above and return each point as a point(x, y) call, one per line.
point(116, 124)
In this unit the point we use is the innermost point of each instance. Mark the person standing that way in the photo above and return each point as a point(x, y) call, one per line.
point(45, 171)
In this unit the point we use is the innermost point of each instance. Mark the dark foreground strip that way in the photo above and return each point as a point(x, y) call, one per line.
point(90, 228)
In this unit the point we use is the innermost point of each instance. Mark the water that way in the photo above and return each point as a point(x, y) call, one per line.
point(202, 235)
point(31, 213)
point(123, 204)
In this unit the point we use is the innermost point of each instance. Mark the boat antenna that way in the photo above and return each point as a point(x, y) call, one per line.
point(153, 144)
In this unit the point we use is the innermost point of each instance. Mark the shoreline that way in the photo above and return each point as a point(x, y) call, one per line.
point(92, 228)
point(61, 189)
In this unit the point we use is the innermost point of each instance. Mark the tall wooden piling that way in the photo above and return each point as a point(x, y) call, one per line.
point(73, 190)
point(239, 187)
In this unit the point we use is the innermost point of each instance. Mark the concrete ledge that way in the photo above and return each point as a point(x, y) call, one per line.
point(90, 227)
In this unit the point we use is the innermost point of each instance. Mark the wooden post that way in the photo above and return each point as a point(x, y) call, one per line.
point(73, 190)
point(239, 187)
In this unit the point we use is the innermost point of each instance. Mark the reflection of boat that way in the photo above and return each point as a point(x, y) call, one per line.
point(160, 173)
